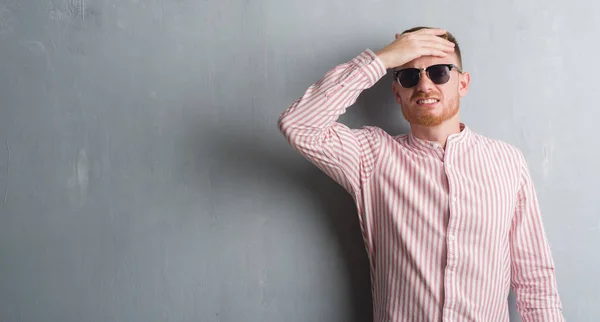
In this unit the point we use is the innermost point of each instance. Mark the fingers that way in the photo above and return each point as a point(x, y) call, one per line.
point(423, 42)
point(438, 53)
point(430, 35)
point(436, 39)
point(434, 31)
point(443, 46)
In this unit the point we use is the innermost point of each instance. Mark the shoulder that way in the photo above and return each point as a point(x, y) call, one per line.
point(499, 148)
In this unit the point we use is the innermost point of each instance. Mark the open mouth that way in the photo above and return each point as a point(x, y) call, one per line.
point(427, 101)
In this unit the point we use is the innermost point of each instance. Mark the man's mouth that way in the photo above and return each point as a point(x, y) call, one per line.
point(427, 101)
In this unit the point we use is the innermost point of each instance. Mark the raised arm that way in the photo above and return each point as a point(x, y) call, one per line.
point(310, 123)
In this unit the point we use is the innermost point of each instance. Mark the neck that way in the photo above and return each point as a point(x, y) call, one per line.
point(438, 133)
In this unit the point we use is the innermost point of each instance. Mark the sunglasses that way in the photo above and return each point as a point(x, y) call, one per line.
point(439, 74)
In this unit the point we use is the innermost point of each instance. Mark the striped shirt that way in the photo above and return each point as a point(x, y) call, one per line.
point(447, 231)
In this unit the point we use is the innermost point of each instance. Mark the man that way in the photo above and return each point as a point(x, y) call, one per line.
point(450, 218)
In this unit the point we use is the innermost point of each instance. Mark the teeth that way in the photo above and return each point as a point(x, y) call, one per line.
point(427, 101)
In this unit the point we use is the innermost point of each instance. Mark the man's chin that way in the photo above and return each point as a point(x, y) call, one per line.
point(428, 119)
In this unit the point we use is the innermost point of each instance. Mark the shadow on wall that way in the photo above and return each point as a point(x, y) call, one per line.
point(377, 106)
point(241, 156)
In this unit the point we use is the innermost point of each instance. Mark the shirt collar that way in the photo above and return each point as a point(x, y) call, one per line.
point(461, 137)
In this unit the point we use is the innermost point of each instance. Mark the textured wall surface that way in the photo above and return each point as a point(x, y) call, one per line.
point(143, 178)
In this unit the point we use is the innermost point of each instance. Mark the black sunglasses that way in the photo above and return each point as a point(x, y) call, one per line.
point(439, 74)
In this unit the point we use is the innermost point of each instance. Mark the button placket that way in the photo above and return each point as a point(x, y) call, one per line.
point(452, 203)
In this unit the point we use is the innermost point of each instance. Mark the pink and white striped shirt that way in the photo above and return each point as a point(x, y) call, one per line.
point(447, 231)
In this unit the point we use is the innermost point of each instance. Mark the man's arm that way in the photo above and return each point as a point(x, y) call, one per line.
point(533, 276)
point(310, 123)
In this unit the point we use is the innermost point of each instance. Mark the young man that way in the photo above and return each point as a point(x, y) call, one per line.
point(450, 218)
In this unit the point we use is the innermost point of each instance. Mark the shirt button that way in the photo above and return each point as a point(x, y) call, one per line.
point(451, 237)
point(453, 199)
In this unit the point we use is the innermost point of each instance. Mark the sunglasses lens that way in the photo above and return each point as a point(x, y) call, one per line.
point(409, 77)
point(439, 74)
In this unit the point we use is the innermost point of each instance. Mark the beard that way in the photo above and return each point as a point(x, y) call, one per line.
point(428, 117)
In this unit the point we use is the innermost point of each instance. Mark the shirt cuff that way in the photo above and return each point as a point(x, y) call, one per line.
point(371, 65)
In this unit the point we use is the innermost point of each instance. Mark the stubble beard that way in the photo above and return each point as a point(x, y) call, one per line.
point(426, 118)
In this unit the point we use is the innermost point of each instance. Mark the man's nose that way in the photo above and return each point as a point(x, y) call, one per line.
point(425, 84)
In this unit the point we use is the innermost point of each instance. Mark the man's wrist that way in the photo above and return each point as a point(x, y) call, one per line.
point(382, 55)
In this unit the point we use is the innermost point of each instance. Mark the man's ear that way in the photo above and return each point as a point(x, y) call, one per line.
point(395, 89)
point(463, 83)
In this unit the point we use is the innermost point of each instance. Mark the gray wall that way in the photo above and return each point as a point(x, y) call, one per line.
point(143, 178)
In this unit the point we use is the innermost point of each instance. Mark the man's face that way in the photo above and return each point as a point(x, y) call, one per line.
point(427, 103)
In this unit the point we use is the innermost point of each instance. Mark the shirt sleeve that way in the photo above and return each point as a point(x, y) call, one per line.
point(533, 275)
point(310, 124)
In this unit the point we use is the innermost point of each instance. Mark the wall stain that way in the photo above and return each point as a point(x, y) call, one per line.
point(74, 13)
point(7, 21)
point(547, 163)
point(78, 182)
